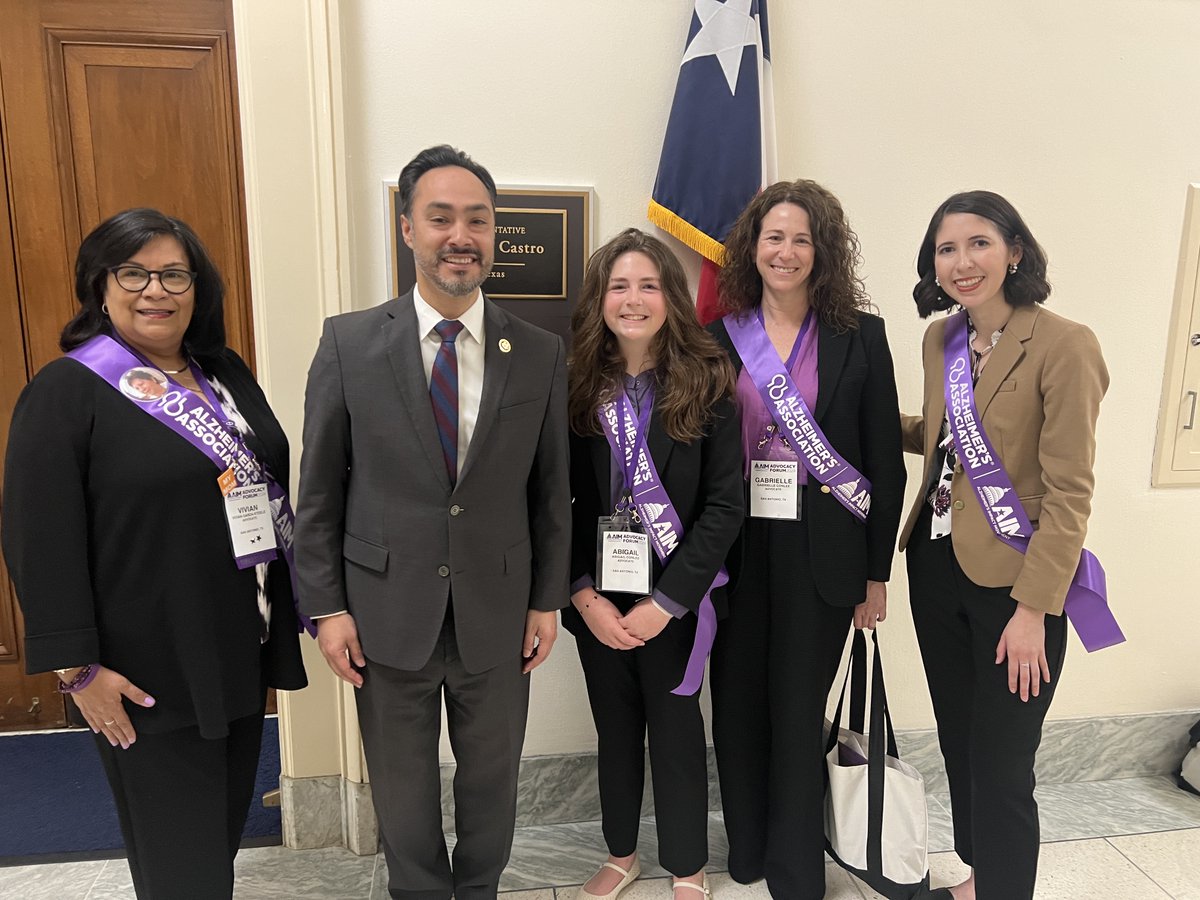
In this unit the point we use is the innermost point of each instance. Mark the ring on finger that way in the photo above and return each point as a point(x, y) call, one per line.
point(112, 722)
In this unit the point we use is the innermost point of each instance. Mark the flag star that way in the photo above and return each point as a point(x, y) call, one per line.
point(725, 28)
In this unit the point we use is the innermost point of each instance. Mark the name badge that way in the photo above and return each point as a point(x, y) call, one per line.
point(248, 513)
point(774, 489)
point(622, 558)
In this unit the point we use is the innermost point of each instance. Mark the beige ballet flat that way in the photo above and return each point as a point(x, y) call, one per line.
point(703, 889)
point(627, 878)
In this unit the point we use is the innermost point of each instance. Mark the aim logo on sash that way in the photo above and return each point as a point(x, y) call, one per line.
point(1006, 521)
point(861, 499)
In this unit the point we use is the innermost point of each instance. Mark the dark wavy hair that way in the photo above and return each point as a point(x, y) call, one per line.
point(1026, 286)
point(693, 372)
point(112, 243)
point(835, 290)
point(437, 158)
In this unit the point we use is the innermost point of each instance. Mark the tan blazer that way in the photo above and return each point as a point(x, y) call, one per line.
point(1039, 397)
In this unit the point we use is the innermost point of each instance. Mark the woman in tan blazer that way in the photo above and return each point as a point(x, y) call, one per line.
point(989, 618)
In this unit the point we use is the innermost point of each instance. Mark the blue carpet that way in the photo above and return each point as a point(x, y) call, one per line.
point(55, 800)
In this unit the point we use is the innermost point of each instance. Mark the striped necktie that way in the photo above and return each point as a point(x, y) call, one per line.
point(443, 392)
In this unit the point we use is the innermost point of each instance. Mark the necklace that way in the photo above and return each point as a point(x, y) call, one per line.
point(978, 355)
point(182, 368)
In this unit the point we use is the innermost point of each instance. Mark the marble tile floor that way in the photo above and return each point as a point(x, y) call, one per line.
point(1124, 839)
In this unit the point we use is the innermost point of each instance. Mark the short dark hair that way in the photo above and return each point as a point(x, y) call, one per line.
point(112, 243)
point(1028, 285)
point(436, 158)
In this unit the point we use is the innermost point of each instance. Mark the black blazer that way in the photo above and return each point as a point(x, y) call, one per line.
point(704, 482)
point(115, 537)
point(858, 410)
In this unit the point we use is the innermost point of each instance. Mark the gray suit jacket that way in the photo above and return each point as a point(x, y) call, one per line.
point(380, 532)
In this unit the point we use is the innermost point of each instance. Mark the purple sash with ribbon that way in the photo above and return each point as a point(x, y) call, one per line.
point(779, 394)
point(1087, 597)
point(627, 440)
point(205, 429)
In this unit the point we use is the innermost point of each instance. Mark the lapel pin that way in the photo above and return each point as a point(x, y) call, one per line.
point(505, 346)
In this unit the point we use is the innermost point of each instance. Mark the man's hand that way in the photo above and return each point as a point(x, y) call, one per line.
point(645, 620)
point(541, 630)
point(337, 636)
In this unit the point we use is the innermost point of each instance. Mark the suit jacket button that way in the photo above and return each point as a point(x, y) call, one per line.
point(958, 504)
point(444, 571)
point(825, 489)
point(455, 509)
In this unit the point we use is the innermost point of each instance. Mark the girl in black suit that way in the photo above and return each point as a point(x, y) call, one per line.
point(115, 536)
point(635, 333)
point(791, 261)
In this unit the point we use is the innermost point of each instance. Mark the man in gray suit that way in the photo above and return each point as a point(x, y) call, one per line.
point(433, 530)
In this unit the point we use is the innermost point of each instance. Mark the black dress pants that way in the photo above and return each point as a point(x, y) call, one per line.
point(773, 663)
point(630, 695)
point(400, 715)
point(182, 801)
point(989, 737)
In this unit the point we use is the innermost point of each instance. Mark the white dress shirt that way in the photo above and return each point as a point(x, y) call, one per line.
point(469, 346)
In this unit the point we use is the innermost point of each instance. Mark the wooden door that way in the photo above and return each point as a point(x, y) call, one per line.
point(105, 105)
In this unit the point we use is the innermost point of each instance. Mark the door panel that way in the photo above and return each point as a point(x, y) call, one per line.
point(113, 104)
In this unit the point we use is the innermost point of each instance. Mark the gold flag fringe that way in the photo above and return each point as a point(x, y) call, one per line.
point(686, 232)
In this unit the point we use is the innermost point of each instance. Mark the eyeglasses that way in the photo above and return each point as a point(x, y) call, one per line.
point(135, 278)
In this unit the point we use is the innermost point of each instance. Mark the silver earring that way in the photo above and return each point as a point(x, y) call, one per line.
point(1012, 269)
point(937, 281)
point(104, 308)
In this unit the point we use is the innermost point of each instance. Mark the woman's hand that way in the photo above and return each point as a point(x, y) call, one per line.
point(603, 620)
point(100, 703)
point(1023, 644)
point(874, 609)
point(645, 620)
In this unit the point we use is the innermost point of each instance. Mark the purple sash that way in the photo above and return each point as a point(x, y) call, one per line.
point(627, 440)
point(176, 409)
point(1087, 597)
point(779, 394)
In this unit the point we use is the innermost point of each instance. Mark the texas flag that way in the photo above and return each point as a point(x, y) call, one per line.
point(719, 150)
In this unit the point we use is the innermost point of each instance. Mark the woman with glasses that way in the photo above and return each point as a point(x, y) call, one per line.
point(152, 426)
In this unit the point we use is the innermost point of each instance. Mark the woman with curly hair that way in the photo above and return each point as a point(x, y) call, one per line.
point(825, 482)
point(656, 477)
point(987, 590)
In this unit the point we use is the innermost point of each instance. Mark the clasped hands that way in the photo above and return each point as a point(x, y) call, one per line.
point(644, 620)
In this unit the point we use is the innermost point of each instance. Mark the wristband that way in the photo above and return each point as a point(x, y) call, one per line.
point(82, 679)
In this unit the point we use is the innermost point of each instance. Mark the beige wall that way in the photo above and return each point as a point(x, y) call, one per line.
point(1082, 113)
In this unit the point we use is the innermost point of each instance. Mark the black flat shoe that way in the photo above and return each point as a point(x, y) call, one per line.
point(939, 894)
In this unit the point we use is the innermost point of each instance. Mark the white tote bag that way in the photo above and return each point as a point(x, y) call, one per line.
point(876, 822)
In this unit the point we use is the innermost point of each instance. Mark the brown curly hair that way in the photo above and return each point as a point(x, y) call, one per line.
point(693, 372)
point(835, 290)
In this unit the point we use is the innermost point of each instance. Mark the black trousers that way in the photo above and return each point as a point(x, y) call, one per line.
point(182, 801)
point(400, 715)
point(773, 663)
point(630, 695)
point(989, 737)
